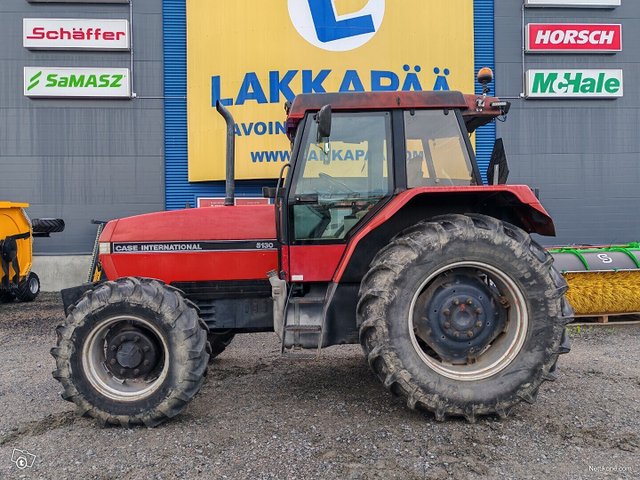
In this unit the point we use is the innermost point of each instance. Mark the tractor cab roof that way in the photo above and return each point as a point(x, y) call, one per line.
point(476, 109)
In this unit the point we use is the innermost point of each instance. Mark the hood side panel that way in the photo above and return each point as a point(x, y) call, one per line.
point(198, 244)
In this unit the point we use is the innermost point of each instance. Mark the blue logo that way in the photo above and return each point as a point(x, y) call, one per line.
point(318, 22)
point(329, 28)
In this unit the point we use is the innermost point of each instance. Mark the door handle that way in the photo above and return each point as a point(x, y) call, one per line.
point(306, 198)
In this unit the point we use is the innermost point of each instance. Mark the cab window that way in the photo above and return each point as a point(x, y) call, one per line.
point(339, 181)
point(437, 152)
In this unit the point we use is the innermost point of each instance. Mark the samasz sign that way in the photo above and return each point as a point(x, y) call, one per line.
point(76, 82)
point(574, 83)
point(573, 38)
point(75, 34)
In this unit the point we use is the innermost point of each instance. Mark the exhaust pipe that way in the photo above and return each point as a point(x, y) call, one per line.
point(230, 185)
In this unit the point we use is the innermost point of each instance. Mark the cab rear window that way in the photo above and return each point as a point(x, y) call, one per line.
point(436, 149)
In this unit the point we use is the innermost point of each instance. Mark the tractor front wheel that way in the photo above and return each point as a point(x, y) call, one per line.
point(131, 352)
point(463, 316)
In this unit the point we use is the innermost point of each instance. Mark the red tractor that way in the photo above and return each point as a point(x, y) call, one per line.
point(381, 232)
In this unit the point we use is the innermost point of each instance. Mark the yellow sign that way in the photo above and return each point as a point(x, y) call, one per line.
point(254, 56)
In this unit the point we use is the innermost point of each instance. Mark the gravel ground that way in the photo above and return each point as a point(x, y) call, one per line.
point(262, 416)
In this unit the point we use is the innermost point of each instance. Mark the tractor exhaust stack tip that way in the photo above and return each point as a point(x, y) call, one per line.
point(230, 185)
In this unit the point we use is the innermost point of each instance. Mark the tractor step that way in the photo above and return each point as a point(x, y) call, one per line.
point(307, 300)
point(303, 328)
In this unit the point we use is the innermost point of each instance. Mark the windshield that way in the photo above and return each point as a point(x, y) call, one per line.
point(436, 149)
point(355, 157)
point(341, 179)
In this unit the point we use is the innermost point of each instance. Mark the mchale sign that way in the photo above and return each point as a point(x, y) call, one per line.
point(574, 84)
point(75, 34)
point(573, 38)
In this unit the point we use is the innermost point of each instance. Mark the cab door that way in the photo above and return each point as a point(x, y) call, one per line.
point(335, 184)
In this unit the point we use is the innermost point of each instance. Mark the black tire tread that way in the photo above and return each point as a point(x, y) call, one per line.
point(185, 322)
point(23, 292)
point(219, 343)
point(6, 296)
point(378, 288)
point(47, 225)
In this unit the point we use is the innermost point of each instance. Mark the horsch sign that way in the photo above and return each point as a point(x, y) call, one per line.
point(573, 38)
point(75, 34)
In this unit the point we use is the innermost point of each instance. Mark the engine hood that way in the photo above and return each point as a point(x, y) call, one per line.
point(210, 244)
point(243, 222)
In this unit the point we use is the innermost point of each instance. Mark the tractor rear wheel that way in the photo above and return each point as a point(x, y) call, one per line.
point(463, 315)
point(131, 352)
point(219, 342)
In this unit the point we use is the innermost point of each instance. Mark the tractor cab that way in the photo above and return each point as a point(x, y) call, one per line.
point(352, 151)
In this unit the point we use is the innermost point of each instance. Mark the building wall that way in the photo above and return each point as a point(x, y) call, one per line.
point(82, 159)
point(584, 156)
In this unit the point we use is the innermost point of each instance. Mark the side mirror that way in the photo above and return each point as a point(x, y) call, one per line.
point(323, 119)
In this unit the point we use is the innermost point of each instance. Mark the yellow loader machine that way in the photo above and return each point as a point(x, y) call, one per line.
point(16, 242)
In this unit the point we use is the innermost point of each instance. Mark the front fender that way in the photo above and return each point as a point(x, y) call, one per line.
point(70, 296)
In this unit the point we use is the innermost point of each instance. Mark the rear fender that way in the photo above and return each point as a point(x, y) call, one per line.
point(515, 204)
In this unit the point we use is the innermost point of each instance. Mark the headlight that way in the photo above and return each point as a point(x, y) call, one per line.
point(104, 248)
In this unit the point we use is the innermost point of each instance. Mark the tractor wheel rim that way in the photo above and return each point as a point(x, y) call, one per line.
point(102, 379)
point(503, 350)
point(33, 286)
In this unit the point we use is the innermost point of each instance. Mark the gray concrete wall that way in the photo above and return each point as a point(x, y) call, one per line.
point(583, 155)
point(81, 159)
point(58, 272)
